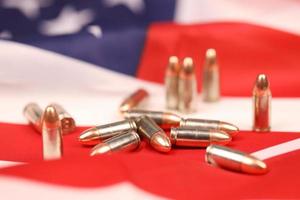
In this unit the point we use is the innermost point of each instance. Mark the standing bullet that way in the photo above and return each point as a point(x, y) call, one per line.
point(51, 134)
point(195, 137)
point(133, 100)
point(171, 83)
point(210, 124)
point(33, 113)
point(261, 104)
point(125, 142)
point(67, 121)
point(234, 160)
point(96, 134)
point(187, 87)
point(211, 82)
point(154, 134)
point(165, 120)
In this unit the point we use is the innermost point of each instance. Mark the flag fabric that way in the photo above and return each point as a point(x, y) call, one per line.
point(89, 55)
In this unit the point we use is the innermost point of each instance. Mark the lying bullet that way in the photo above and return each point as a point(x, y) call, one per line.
point(154, 134)
point(165, 120)
point(234, 160)
point(97, 134)
point(261, 104)
point(51, 134)
point(210, 124)
point(171, 83)
point(67, 121)
point(33, 113)
point(125, 142)
point(187, 87)
point(195, 137)
point(211, 82)
point(134, 100)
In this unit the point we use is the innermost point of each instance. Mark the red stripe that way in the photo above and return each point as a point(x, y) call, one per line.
point(244, 50)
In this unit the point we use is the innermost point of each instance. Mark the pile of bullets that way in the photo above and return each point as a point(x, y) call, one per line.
point(163, 130)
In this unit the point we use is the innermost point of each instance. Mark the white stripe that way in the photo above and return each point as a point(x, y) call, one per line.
point(92, 94)
point(279, 14)
point(13, 188)
point(4, 163)
point(277, 150)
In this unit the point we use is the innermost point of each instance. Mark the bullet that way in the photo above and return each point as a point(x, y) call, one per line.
point(171, 83)
point(165, 120)
point(33, 113)
point(125, 142)
point(51, 134)
point(134, 100)
point(195, 137)
point(187, 87)
point(231, 159)
point(261, 104)
point(153, 134)
point(67, 121)
point(210, 124)
point(211, 82)
point(97, 134)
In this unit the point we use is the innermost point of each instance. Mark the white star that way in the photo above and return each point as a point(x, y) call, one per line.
point(5, 35)
point(95, 30)
point(69, 21)
point(30, 8)
point(136, 6)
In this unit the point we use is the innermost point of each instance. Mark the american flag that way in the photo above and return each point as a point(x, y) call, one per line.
point(89, 55)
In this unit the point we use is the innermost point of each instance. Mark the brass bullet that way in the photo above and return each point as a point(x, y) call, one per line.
point(33, 113)
point(124, 142)
point(67, 121)
point(187, 87)
point(262, 104)
point(171, 83)
point(133, 100)
point(51, 134)
point(153, 134)
point(210, 124)
point(211, 82)
point(165, 120)
point(97, 134)
point(234, 160)
point(195, 137)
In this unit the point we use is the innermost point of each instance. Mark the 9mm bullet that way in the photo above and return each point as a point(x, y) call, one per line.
point(171, 83)
point(261, 104)
point(231, 159)
point(134, 100)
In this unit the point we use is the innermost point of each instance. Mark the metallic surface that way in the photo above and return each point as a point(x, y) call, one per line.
point(195, 137)
point(187, 87)
point(33, 113)
point(51, 134)
point(261, 104)
point(171, 83)
point(210, 124)
point(165, 120)
point(125, 142)
point(133, 100)
point(234, 160)
point(153, 134)
point(67, 121)
point(97, 134)
point(211, 82)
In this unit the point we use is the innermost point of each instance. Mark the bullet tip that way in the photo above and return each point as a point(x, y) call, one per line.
point(229, 128)
point(89, 137)
point(100, 149)
point(220, 138)
point(160, 142)
point(188, 65)
point(211, 54)
point(262, 82)
point(50, 117)
point(253, 165)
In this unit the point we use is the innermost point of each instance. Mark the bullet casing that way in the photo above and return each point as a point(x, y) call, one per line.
point(51, 134)
point(171, 83)
point(67, 121)
point(195, 137)
point(134, 100)
point(97, 134)
point(33, 113)
point(165, 120)
point(124, 142)
point(211, 82)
